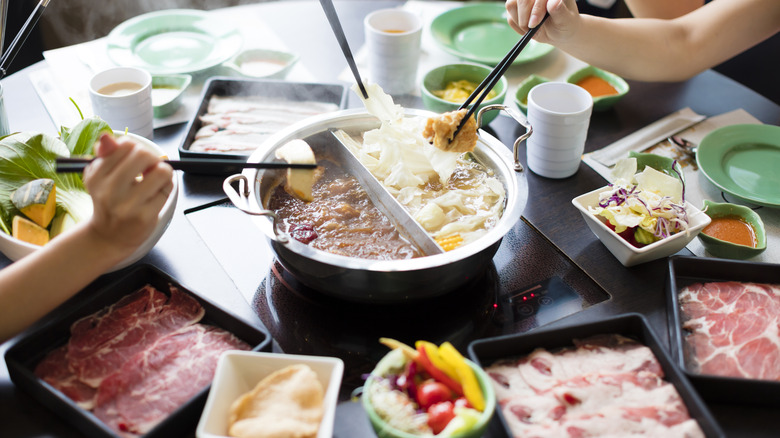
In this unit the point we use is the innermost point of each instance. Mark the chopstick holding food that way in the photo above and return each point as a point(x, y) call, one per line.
point(442, 131)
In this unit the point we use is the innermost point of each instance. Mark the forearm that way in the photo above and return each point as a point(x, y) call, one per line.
point(672, 50)
point(35, 285)
point(639, 49)
point(665, 9)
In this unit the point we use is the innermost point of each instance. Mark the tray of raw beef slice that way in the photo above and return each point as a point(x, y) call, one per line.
point(609, 377)
point(134, 358)
point(236, 116)
point(724, 326)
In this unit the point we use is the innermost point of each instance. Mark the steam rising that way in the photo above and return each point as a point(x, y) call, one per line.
point(68, 22)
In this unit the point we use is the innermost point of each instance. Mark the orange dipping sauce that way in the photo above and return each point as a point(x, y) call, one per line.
point(597, 86)
point(732, 229)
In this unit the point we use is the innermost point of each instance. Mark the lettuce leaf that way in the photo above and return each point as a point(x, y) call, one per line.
point(27, 156)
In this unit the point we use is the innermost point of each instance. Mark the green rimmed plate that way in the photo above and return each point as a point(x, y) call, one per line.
point(174, 41)
point(743, 160)
point(480, 33)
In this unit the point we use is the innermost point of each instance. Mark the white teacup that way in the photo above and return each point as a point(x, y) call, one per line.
point(122, 96)
point(393, 39)
point(559, 113)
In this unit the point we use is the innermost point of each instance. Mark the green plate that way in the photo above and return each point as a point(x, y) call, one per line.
point(174, 41)
point(480, 33)
point(743, 160)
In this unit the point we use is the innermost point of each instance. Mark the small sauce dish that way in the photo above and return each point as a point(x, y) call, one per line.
point(735, 227)
point(605, 87)
point(262, 63)
point(167, 91)
point(521, 95)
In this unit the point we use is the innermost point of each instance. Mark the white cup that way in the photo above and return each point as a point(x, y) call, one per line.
point(122, 96)
point(559, 113)
point(393, 44)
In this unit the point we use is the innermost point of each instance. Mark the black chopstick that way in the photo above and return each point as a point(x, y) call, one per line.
point(70, 165)
point(335, 24)
point(495, 75)
point(21, 37)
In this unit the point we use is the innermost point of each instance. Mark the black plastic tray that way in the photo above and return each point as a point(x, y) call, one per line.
point(486, 351)
point(687, 270)
point(226, 86)
point(25, 354)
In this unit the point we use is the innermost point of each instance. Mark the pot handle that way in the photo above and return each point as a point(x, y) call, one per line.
point(521, 119)
point(240, 198)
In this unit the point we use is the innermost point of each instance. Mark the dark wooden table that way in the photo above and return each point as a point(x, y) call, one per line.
point(549, 215)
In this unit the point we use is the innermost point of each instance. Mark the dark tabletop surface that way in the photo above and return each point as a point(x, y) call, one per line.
point(550, 240)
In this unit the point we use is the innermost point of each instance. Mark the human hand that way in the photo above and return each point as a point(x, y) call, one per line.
point(126, 205)
point(562, 24)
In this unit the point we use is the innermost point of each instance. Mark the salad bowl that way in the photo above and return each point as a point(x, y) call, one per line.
point(625, 252)
point(16, 249)
point(384, 369)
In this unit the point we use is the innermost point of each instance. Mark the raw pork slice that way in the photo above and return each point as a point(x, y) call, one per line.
point(732, 329)
point(604, 386)
point(155, 382)
point(100, 343)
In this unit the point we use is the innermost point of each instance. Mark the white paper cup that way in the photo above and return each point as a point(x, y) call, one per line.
point(122, 96)
point(393, 45)
point(559, 113)
point(5, 128)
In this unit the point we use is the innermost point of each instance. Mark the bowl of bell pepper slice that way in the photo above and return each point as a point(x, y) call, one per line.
point(427, 390)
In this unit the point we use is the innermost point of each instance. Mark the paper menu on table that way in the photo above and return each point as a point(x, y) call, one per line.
point(70, 68)
point(697, 186)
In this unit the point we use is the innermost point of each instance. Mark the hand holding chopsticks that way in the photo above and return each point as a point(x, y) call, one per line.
point(70, 165)
point(492, 79)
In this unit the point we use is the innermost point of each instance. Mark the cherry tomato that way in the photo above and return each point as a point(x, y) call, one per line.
point(431, 392)
point(463, 402)
point(439, 415)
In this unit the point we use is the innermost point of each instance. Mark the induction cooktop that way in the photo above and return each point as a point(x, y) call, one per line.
point(529, 284)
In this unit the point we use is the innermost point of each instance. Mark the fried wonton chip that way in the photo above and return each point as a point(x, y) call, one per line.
point(299, 181)
point(439, 129)
point(286, 404)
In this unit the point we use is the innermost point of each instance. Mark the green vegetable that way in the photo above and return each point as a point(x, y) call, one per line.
point(27, 156)
point(643, 236)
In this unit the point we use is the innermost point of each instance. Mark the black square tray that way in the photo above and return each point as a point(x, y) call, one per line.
point(226, 86)
point(24, 355)
point(486, 351)
point(687, 270)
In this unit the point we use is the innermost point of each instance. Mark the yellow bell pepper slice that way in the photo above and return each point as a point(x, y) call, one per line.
point(432, 351)
point(392, 344)
point(466, 376)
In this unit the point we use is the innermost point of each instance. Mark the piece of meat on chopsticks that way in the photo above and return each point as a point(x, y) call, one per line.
point(439, 129)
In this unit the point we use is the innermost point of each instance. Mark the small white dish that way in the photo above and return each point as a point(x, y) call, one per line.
point(262, 63)
point(238, 372)
point(628, 254)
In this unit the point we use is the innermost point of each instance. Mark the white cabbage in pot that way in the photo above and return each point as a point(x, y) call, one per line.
point(398, 155)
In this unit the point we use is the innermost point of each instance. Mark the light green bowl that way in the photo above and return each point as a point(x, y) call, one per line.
point(167, 91)
point(438, 78)
point(385, 430)
point(602, 103)
point(728, 250)
point(521, 95)
point(262, 63)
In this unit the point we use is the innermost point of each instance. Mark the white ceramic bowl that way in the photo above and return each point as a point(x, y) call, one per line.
point(15, 249)
point(238, 372)
point(628, 254)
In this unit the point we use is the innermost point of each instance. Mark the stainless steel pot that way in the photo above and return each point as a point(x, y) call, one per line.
point(374, 281)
